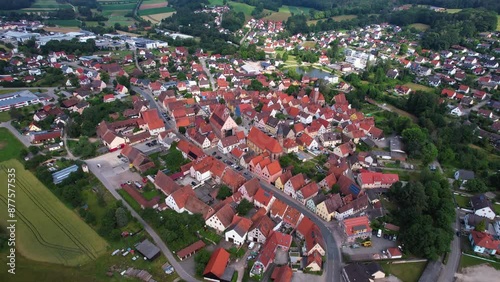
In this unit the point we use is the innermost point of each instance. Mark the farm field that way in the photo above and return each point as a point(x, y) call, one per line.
point(286, 11)
point(9, 145)
point(48, 4)
point(118, 16)
point(453, 11)
point(113, 7)
point(156, 18)
point(336, 18)
point(47, 230)
point(65, 23)
point(150, 4)
point(420, 26)
point(155, 11)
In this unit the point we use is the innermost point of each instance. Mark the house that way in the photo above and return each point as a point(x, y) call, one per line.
point(304, 228)
point(226, 144)
point(358, 272)
point(277, 240)
point(260, 229)
point(45, 136)
point(153, 123)
point(271, 172)
point(328, 208)
point(313, 202)
point(471, 220)
point(221, 219)
point(307, 192)
point(370, 180)
point(263, 199)
point(166, 184)
point(294, 184)
point(464, 175)
point(314, 241)
point(283, 179)
point(314, 262)
point(306, 142)
point(357, 205)
point(282, 273)
point(393, 73)
point(484, 243)
point(482, 206)
point(137, 159)
point(190, 250)
point(457, 111)
point(217, 265)
point(237, 232)
point(357, 227)
point(249, 189)
point(222, 122)
point(177, 200)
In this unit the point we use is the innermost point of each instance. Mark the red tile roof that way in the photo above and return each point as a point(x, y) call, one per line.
point(485, 240)
point(264, 142)
point(191, 249)
point(357, 224)
point(165, 183)
point(263, 197)
point(282, 274)
point(217, 263)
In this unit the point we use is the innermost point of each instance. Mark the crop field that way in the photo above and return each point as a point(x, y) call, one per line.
point(336, 18)
point(47, 230)
point(49, 4)
point(113, 7)
point(65, 23)
point(156, 18)
point(118, 17)
point(155, 11)
point(150, 4)
point(420, 26)
point(286, 11)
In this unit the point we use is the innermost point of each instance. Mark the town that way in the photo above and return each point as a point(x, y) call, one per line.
point(339, 155)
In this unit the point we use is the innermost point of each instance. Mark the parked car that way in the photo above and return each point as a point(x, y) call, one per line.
point(386, 236)
point(379, 233)
point(214, 153)
point(218, 157)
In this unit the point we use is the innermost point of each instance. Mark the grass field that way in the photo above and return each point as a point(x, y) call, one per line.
point(112, 7)
point(420, 26)
point(49, 4)
point(154, 11)
point(420, 87)
point(463, 202)
point(9, 145)
point(336, 18)
point(65, 23)
point(156, 18)
point(286, 11)
point(47, 230)
point(453, 11)
point(466, 261)
point(241, 7)
point(407, 272)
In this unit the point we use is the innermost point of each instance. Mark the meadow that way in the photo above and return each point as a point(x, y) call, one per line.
point(9, 145)
point(47, 230)
point(336, 18)
point(155, 11)
point(408, 272)
point(49, 4)
point(420, 26)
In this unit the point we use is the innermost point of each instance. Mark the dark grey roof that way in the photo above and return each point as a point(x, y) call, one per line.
point(148, 249)
point(357, 272)
point(480, 201)
point(465, 174)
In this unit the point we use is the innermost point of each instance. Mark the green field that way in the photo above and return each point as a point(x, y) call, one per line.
point(496, 207)
point(467, 261)
point(407, 272)
point(47, 230)
point(65, 22)
point(118, 17)
point(498, 23)
point(112, 7)
point(9, 145)
point(49, 4)
point(415, 87)
point(145, 2)
point(336, 18)
point(216, 2)
point(420, 26)
point(453, 11)
point(154, 11)
point(241, 7)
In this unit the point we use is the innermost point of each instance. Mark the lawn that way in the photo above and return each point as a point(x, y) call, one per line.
point(496, 207)
point(9, 145)
point(420, 26)
point(47, 230)
point(4, 116)
point(154, 11)
point(241, 7)
point(407, 272)
point(112, 7)
point(467, 261)
point(309, 44)
point(49, 4)
point(420, 87)
point(463, 202)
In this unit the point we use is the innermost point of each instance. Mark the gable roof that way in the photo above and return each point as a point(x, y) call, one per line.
point(165, 183)
point(217, 263)
point(355, 224)
point(263, 141)
point(225, 214)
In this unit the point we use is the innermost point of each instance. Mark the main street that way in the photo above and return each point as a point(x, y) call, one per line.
point(332, 267)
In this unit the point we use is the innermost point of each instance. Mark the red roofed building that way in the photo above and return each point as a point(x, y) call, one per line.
point(237, 232)
point(278, 209)
point(308, 191)
point(266, 257)
point(394, 253)
point(189, 150)
point(282, 274)
point(449, 93)
point(484, 243)
point(357, 227)
point(260, 142)
point(216, 265)
point(164, 183)
point(136, 158)
point(153, 203)
point(153, 123)
point(292, 217)
point(271, 172)
point(314, 241)
point(263, 199)
point(304, 227)
point(190, 250)
point(177, 200)
point(42, 137)
point(370, 180)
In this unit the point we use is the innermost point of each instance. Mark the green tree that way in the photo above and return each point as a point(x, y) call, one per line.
point(182, 130)
point(105, 77)
point(475, 186)
point(403, 49)
point(285, 57)
point(224, 192)
point(238, 120)
point(121, 217)
point(244, 207)
point(201, 259)
point(481, 226)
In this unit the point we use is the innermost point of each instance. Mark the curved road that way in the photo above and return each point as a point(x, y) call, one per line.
point(92, 164)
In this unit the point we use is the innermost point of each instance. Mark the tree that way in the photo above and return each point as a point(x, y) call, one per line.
point(182, 130)
point(201, 259)
point(481, 226)
point(244, 207)
point(121, 217)
point(34, 149)
point(238, 121)
point(475, 186)
point(403, 49)
point(224, 192)
point(285, 56)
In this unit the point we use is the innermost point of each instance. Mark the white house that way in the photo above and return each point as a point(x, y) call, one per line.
point(221, 219)
point(457, 111)
point(227, 144)
point(237, 232)
point(483, 243)
point(482, 206)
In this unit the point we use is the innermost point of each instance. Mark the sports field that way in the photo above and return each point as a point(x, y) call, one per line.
point(46, 229)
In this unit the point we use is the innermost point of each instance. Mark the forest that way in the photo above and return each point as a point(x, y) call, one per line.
point(459, 4)
point(16, 4)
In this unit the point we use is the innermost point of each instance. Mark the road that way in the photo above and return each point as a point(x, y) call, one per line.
point(449, 270)
point(92, 164)
point(207, 71)
point(246, 34)
point(147, 96)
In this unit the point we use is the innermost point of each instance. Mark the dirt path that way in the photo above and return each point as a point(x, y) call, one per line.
point(480, 273)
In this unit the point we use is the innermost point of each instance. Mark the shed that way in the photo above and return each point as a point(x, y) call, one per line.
point(148, 249)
